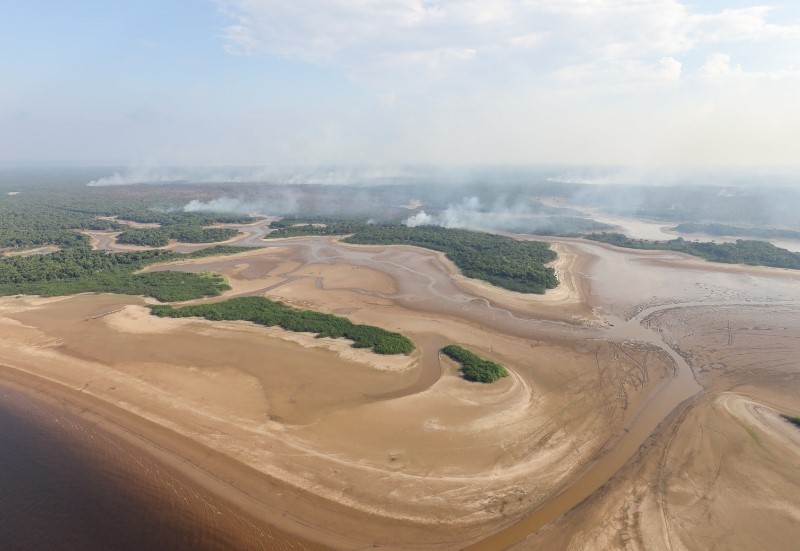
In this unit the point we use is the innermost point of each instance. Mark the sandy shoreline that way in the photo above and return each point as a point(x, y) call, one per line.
point(355, 449)
point(37, 328)
point(195, 464)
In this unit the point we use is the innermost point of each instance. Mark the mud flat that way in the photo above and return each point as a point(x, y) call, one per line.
point(407, 454)
point(721, 470)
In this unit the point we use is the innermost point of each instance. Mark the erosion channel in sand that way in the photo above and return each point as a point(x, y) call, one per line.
point(388, 451)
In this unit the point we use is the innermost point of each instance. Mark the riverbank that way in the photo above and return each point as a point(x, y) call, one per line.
point(412, 456)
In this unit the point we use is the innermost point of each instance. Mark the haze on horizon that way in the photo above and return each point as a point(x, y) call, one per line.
point(260, 82)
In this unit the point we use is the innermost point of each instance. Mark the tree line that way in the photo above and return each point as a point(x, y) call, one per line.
point(159, 237)
point(754, 253)
point(271, 313)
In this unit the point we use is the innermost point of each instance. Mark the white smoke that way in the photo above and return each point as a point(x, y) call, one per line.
point(332, 175)
point(284, 203)
point(140, 175)
point(221, 204)
point(465, 214)
point(422, 218)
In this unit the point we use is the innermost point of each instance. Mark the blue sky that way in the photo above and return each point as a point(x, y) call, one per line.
point(658, 82)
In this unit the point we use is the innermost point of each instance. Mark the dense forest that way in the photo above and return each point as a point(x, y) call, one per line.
point(52, 217)
point(502, 261)
point(754, 253)
point(296, 227)
point(159, 237)
point(37, 219)
point(80, 269)
point(263, 311)
point(473, 367)
point(736, 231)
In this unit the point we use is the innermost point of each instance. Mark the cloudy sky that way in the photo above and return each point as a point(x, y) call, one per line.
point(641, 82)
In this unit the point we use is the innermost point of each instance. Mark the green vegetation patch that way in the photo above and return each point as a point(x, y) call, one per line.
point(754, 253)
point(508, 263)
point(159, 237)
point(80, 269)
point(737, 231)
point(792, 419)
point(296, 227)
point(263, 311)
point(473, 367)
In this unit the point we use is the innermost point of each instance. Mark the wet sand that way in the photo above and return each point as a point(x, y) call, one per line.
point(72, 479)
point(411, 454)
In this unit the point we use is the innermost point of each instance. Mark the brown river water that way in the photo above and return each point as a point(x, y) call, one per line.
point(66, 485)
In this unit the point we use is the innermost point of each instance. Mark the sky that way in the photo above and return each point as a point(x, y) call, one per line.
point(266, 82)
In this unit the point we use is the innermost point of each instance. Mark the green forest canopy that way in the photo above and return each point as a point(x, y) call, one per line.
point(79, 269)
point(754, 253)
point(473, 367)
point(267, 312)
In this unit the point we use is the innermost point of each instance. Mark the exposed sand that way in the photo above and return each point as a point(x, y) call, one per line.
point(46, 249)
point(409, 453)
point(724, 470)
point(249, 235)
point(138, 320)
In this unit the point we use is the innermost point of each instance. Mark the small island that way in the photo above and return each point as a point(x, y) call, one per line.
point(473, 367)
point(270, 313)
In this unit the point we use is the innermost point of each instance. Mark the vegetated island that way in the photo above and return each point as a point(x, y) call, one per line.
point(753, 253)
point(736, 231)
point(267, 312)
point(473, 367)
point(79, 269)
point(508, 263)
point(792, 419)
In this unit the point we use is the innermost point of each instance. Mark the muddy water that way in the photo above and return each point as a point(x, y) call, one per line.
point(627, 287)
point(430, 368)
point(616, 453)
point(641, 228)
point(67, 484)
point(615, 277)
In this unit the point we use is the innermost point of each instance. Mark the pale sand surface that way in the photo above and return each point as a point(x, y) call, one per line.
point(724, 471)
point(410, 453)
point(46, 249)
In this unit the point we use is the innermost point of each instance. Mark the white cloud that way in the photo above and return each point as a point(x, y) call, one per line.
point(369, 37)
point(719, 66)
point(527, 40)
point(239, 40)
point(744, 24)
point(537, 80)
point(670, 68)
